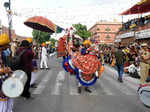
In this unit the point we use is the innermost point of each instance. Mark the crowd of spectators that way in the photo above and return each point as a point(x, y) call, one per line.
point(136, 22)
point(132, 57)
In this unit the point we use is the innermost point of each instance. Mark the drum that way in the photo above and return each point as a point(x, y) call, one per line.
point(14, 86)
point(86, 79)
point(68, 65)
point(144, 95)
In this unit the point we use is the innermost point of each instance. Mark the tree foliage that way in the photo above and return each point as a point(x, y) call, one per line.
point(40, 37)
point(53, 41)
point(82, 31)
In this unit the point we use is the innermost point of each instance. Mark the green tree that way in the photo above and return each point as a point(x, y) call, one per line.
point(82, 31)
point(52, 41)
point(40, 37)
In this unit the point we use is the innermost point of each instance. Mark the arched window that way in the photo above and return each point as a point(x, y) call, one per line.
point(107, 29)
point(107, 37)
point(98, 29)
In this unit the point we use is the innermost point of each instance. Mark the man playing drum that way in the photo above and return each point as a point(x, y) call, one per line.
point(6, 104)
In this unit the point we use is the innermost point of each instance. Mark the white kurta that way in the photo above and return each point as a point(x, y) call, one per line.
point(44, 58)
point(6, 106)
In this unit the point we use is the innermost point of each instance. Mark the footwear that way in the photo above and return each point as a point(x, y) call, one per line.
point(33, 85)
point(88, 90)
point(26, 96)
point(120, 80)
point(79, 90)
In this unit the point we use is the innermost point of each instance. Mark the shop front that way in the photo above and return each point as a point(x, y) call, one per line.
point(126, 38)
point(143, 36)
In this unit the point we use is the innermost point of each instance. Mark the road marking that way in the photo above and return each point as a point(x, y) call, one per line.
point(59, 82)
point(36, 75)
point(73, 85)
point(43, 83)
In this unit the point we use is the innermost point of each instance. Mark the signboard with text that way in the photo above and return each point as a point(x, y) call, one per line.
point(143, 34)
point(126, 35)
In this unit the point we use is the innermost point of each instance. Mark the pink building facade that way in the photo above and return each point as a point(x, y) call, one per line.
point(105, 32)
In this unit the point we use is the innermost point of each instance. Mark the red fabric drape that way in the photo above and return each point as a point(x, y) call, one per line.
point(137, 9)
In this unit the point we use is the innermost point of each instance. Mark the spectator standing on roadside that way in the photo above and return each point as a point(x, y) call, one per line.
point(120, 59)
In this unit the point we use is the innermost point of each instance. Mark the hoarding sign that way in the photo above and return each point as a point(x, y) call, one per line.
point(126, 35)
point(143, 34)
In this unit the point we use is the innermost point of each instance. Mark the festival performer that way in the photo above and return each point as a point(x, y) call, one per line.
point(6, 104)
point(84, 51)
point(61, 50)
point(32, 83)
point(83, 63)
point(88, 62)
point(44, 57)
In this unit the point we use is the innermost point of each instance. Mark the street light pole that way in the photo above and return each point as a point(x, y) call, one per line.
point(9, 19)
point(7, 6)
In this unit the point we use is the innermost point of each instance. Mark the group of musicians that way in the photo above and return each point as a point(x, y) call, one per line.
point(6, 103)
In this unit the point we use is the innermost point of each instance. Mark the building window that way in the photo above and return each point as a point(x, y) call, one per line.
point(107, 29)
point(98, 29)
point(94, 33)
point(108, 37)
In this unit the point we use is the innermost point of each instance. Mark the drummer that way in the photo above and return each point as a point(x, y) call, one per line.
point(27, 67)
point(6, 104)
point(32, 83)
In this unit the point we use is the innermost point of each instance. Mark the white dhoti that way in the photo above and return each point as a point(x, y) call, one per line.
point(6, 105)
point(32, 78)
point(43, 61)
point(44, 58)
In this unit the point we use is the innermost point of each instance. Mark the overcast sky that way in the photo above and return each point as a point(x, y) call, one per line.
point(65, 12)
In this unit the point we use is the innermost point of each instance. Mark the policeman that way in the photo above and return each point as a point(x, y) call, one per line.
point(145, 63)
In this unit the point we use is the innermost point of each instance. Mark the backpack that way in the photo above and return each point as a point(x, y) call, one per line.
point(15, 61)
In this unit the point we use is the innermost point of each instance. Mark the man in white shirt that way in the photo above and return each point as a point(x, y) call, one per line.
point(44, 56)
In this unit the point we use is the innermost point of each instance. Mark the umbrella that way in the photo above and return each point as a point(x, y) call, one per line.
point(41, 23)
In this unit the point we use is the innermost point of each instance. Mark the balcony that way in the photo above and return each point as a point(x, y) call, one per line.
point(135, 25)
point(138, 28)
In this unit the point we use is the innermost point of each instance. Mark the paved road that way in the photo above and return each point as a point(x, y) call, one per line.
point(57, 92)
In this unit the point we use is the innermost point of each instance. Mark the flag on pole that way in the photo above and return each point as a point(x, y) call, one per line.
point(59, 29)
